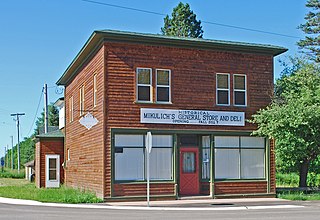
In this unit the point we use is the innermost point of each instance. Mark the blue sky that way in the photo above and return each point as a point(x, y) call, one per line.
point(40, 38)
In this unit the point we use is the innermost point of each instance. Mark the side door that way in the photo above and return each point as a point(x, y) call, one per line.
point(52, 171)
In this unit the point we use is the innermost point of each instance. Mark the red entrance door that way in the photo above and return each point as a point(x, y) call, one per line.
point(189, 171)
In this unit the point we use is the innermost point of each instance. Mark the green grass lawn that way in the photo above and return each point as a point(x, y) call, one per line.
point(299, 196)
point(22, 189)
point(13, 182)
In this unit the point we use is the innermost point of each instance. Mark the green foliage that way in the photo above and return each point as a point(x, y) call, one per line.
point(292, 179)
point(53, 118)
point(8, 173)
point(287, 179)
point(59, 195)
point(311, 28)
point(27, 150)
point(293, 118)
point(315, 165)
point(183, 23)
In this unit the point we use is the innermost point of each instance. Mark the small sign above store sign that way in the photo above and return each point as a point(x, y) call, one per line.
point(88, 121)
point(191, 117)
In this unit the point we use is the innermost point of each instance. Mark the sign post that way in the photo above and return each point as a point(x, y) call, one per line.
point(2, 164)
point(148, 151)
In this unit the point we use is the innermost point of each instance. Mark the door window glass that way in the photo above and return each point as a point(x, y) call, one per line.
point(189, 163)
point(52, 168)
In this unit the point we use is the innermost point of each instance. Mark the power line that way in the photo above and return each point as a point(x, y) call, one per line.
point(206, 22)
point(4, 110)
point(249, 29)
point(123, 7)
point(35, 116)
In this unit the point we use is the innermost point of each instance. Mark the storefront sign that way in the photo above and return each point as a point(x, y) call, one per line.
point(88, 121)
point(191, 117)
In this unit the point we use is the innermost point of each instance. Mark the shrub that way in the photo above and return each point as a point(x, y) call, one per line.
point(7, 173)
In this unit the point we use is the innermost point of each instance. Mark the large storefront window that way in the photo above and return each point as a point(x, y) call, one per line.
point(239, 157)
point(130, 163)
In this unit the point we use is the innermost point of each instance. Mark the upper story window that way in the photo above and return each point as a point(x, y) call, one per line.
point(239, 90)
point(71, 109)
point(144, 85)
point(81, 100)
point(163, 85)
point(223, 89)
point(95, 90)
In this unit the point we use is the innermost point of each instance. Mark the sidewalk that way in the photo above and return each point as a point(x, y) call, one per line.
point(182, 205)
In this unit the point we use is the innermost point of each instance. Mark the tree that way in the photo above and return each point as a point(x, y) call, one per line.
point(311, 28)
point(293, 119)
point(183, 23)
point(27, 150)
point(53, 118)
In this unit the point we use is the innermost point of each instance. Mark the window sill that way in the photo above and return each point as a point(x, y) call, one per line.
point(223, 105)
point(153, 103)
point(142, 181)
point(241, 106)
point(240, 180)
point(143, 102)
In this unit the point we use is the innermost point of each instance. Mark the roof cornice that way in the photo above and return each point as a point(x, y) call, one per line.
point(97, 38)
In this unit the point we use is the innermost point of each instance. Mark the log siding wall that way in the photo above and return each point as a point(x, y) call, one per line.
point(84, 170)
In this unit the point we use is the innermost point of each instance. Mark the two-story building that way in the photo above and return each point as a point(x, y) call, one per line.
point(194, 95)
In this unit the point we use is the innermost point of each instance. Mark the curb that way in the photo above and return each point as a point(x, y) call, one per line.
point(91, 206)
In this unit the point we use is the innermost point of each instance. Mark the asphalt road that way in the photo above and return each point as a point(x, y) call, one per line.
point(310, 211)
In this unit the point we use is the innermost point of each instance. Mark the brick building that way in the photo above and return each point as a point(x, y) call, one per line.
point(194, 95)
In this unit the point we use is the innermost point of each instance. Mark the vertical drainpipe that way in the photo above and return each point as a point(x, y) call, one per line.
point(176, 167)
point(212, 166)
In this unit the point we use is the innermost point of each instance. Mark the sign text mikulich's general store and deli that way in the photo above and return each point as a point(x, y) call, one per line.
point(192, 117)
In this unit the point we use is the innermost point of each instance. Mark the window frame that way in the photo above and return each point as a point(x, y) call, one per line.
point(81, 99)
point(71, 109)
point(95, 90)
point(137, 86)
point(221, 89)
point(240, 90)
point(240, 148)
point(68, 154)
point(163, 86)
point(143, 148)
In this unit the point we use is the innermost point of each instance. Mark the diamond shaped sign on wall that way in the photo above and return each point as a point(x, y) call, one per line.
point(88, 121)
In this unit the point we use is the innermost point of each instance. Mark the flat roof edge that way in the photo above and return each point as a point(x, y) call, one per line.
point(99, 36)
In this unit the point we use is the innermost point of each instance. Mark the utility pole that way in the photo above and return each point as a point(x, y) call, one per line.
point(18, 129)
point(5, 156)
point(11, 152)
point(8, 156)
point(45, 93)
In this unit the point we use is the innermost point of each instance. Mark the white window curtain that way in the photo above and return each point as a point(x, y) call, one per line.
point(252, 163)
point(239, 157)
point(205, 157)
point(161, 157)
point(227, 164)
point(130, 161)
point(129, 164)
point(252, 157)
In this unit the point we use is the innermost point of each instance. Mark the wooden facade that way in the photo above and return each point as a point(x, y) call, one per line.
point(105, 69)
